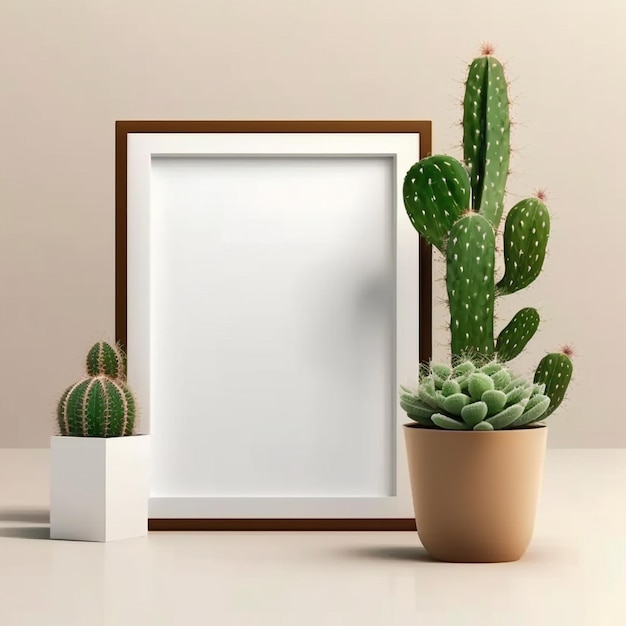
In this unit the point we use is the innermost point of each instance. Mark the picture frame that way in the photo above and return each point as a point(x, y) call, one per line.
point(271, 295)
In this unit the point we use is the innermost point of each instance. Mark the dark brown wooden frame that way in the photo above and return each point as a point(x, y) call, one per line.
point(122, 129)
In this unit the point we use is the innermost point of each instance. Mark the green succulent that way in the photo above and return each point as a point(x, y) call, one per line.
point(487, 397)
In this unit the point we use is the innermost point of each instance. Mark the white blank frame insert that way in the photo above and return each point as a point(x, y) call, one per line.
point(270, 310)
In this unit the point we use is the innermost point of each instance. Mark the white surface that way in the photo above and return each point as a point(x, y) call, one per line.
point(99, 487)
point(574, 572)
point(272, 311)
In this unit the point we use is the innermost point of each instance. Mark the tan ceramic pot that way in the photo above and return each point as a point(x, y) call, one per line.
point(475, 493)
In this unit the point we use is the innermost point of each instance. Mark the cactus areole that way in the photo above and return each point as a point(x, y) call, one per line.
point(457, 207)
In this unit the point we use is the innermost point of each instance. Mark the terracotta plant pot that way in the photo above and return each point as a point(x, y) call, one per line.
point(475, 493)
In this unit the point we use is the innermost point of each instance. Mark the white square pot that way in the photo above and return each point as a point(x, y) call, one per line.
point(99, 487)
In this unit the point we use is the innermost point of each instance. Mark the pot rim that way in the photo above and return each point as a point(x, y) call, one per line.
point(416, 426)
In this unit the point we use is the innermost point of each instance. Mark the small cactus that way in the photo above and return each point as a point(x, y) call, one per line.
point(493, 398)
point(101, 404)
point(457, 207)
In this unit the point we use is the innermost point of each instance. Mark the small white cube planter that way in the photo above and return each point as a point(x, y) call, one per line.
point(99, 487)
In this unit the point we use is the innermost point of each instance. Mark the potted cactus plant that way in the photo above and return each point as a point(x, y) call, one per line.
point(477, 442)
point(99, 485)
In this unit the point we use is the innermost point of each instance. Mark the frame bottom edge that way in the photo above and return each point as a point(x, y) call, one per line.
point(380, 524)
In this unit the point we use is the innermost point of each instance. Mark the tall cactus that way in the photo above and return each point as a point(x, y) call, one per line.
point(457, 207)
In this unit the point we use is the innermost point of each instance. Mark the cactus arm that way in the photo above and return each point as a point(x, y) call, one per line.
point(486, 136)
point(470, 284)
point(555, 372)
point(526, 232)
point(514, 337)
point(436, 191)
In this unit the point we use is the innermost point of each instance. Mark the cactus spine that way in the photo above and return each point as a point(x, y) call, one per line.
point(457, 207)
point(101, 404)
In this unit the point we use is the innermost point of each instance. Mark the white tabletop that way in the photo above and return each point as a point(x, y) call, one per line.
point(573, 574)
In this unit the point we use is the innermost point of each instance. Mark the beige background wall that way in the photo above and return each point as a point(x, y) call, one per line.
point(70, 68)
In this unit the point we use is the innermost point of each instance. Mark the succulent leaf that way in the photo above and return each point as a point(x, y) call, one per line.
point(501, 379)
point(518, 394)
point(495, 400)
point(415, 407)
point(506, 417)
point(442, 371)
point(454, 404)
point(449, 423)
point(450, 387)
point(463, 369)
point(491, 368)
point(474, 413)
point(534, 410)
point(478, 384)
